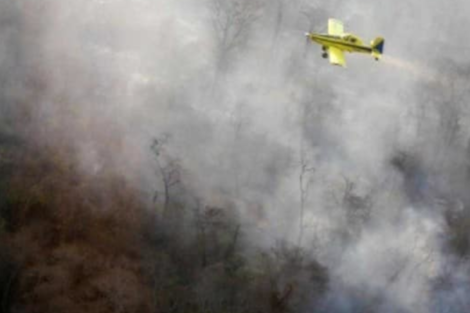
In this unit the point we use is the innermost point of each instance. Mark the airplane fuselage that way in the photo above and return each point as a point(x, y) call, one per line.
point(340, 43)
point(336, 42)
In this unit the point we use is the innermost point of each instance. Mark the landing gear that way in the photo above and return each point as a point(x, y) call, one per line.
point(325, 52)
point(376, 59)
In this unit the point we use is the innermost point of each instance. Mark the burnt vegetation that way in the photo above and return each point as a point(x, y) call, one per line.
point(72, 243)
point(136, 178)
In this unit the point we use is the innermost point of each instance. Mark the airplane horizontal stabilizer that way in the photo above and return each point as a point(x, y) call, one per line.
point(378, 44)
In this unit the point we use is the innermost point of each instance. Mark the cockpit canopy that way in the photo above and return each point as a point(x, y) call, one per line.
point(352, 39)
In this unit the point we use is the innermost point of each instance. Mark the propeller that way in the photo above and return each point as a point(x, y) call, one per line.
point(307, 42)
point(310, 16)
point(307, 36)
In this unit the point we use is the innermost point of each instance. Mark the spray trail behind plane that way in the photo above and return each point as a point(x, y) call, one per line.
point(420, 71)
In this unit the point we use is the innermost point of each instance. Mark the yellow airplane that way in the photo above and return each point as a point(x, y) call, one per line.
point(336, 42)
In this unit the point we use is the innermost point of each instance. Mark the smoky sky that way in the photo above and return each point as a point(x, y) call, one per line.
point(243, 102)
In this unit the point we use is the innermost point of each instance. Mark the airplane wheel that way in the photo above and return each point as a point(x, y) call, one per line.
point(376, 59)
point(324, 55)
point(323, 48)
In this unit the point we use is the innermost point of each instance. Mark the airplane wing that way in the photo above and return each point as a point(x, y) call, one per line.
point(335, 27)
point(336, 56)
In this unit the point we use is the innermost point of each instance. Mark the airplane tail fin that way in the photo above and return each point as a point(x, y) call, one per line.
point(377, 46)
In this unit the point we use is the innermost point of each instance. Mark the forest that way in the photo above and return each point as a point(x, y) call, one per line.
point(200, 156)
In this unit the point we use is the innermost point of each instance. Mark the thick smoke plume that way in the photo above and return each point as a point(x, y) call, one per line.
point(140, 136)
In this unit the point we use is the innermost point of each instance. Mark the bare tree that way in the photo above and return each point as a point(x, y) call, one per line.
point(168, 170)
point(233, 21)
point(201, 227)
point(312, 109)
point(305, 180)
point(209, 222)
point(240, 123)
point(280, 4)
point(306, 169)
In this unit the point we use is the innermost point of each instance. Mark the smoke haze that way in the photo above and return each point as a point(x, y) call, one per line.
point(364, 168)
